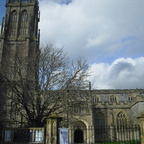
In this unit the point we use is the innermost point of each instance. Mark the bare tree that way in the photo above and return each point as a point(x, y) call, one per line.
point(41, 85)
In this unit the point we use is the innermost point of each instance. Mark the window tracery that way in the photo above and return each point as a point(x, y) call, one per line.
point(24, 23)
point(95, 99)
point(13, 23)
point(113, 98)
point(99, 120)
point(78, 110)
point(121, 119)
point(131, 98)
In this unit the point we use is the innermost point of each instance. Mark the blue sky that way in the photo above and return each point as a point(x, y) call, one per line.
point(109, 34)
point(2, 9)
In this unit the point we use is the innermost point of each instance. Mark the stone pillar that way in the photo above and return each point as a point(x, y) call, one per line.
point(141, 124)
point(91, 133)
point(52, 125)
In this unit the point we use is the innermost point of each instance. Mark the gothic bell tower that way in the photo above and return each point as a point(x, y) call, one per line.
point(19, 48)
point(20, 36)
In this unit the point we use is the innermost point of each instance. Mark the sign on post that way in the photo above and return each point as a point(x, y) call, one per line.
point(63, 135)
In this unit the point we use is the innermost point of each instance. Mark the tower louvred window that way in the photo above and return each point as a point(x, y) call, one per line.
point(24, 23)
point(13, 23)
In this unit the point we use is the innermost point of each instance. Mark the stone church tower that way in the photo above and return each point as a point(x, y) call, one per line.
point(19, 43)
point(19, 35)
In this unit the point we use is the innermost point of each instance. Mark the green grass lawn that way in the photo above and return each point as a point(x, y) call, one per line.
point(121, 142)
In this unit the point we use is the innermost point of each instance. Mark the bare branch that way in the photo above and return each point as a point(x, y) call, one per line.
point(42, 84)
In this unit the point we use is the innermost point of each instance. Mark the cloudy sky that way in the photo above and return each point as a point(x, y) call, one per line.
point(109, 34)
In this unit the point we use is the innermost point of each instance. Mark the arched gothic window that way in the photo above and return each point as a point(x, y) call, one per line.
point(113, 98)
point(99, 120)
point(13, 23)
point(99, 127)
point(121, 119)
point(78, 110)
point(24, 23)
point(95, 99)
point(131, 98)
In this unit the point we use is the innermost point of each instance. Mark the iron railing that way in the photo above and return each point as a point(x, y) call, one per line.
point(23, 136)
point(125, 134)
point(112, 134)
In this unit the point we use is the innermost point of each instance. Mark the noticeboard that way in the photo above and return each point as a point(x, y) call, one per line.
point(63, 135)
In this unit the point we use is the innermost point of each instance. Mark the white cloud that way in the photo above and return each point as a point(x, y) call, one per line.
point(122, 73)
point(104, 26)
point(102, 31)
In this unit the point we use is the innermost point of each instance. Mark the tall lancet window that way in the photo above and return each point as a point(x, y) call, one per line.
point(121, 119)
point(13, 23)
point(24, 23)
point(99, 120)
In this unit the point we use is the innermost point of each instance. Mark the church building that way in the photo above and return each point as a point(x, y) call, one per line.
point(19, 50)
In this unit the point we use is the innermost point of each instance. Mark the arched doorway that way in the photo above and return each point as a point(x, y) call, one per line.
point(78, 132)
point(78, 136)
